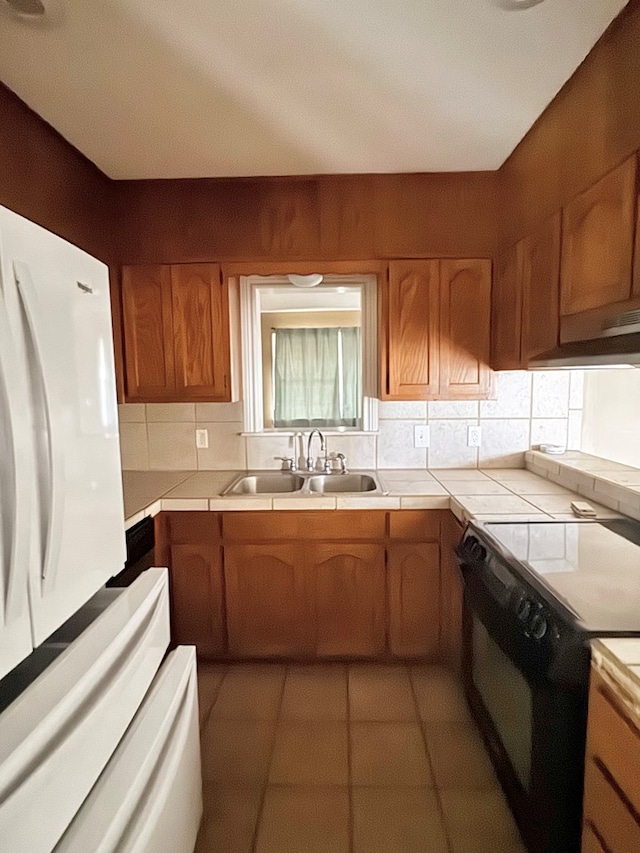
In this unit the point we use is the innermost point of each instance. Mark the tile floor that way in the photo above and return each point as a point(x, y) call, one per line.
point(345, 759)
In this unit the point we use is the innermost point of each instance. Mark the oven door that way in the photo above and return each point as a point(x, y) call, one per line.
point(533, 724)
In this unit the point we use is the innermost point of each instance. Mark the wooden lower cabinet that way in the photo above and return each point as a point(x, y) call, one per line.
point(268, 613)
point(612, 771)
point(349, 595)
point(304, 585)
point(413, 571)
point(189, 543)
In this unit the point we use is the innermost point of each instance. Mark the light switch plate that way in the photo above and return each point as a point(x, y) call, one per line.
point(421, 436)
point(202, 438)
point(474, 434)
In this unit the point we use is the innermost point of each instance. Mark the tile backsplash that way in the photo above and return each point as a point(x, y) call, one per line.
point(530, 408)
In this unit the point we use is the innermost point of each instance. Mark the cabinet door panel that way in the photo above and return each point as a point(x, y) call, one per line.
point(267, 602)
point(412, 358)
point(197, 597)
point(201, 332)
point(414, 599)
point(597, 242)
point(465, 321)
point(540, 289)
point(148, 332)
point(349, 592)
point(506, 310)
point(451, 593)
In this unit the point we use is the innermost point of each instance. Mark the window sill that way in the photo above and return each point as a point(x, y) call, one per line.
point(325, 432)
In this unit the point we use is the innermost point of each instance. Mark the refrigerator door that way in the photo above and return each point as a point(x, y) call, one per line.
point(58, 735)
point(15, 502)
point(149, 798)
point(59, 308)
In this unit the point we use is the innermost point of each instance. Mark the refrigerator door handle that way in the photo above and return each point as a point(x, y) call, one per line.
point(34, 324)
point(18, 552)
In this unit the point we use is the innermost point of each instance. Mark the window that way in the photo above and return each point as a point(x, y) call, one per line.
point(309, 353)
point(316, 377)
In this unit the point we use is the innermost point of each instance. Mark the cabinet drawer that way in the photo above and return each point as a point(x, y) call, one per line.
point(614, 741)
point(609, 814)
point(189, 527)
point(590, 841)
point(324, 524)
point(415, 526)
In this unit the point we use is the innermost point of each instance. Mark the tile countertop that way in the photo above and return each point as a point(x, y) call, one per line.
point(513, 493)
point(618, 662)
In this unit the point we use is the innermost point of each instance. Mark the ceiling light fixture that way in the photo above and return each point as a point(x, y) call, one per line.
point(28, 8)
point(517, 5)
point(41, 14)
point(312, 280)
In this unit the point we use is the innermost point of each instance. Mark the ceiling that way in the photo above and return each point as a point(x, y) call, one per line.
point(208, 88)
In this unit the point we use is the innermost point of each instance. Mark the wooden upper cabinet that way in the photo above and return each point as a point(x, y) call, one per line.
point(148, 333)
point(506, 310)
point(465, 329)
point(597, 242)
point(201, 332)
point(176, 331)
point(412, 330)
point(540, 289)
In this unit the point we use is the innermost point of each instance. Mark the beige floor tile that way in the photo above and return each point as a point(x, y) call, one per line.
point(458, 757)
point(310, 753)
point(380, 693)
point(229, 819)
point(397, 820)
point(304, 820)
point(479, 822)
point(250, 692)
point(209, 679)
point(315, 693)
point(236, 750)
point(388, 754)
point(439, 694)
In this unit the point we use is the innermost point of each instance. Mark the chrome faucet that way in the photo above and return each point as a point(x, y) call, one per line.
point(310, 460)
point(343, 463)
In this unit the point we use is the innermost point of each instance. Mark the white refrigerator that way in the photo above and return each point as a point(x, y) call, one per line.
point(98, 729)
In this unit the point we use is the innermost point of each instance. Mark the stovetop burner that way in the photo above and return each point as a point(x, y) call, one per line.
point(592, 568)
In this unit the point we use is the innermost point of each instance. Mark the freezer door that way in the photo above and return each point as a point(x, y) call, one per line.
point(59, 309)
point(58, 735)
point(16, 479)
point(149, 798)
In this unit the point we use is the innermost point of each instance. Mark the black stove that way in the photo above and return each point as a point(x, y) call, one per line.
point(535, 593)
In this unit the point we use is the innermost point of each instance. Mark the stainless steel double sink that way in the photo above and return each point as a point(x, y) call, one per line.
point(305, 483)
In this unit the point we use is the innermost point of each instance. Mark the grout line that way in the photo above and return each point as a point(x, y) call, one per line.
point(254, 841)
point(436, 789)
point(349, 767)
point(217, 693)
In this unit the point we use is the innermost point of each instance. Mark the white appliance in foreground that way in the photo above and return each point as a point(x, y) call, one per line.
point(99, 741)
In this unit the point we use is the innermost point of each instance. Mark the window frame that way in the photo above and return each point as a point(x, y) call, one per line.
point(250, 288)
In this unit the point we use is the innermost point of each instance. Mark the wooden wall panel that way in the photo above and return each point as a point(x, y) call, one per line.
point(329, 217)
point(45, 179)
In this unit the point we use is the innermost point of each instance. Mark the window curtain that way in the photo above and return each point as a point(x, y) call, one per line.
point(317, 377)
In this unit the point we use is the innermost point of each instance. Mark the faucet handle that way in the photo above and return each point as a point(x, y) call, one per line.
point(343, 463)
point(288, 463)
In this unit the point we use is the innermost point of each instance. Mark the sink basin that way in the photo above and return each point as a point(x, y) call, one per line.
point(342, 483)
point(265, 484)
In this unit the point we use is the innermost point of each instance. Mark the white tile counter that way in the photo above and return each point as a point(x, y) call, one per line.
point(512, 493)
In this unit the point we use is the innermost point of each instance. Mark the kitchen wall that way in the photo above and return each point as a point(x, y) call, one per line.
point(612, 415)
point(530, 408)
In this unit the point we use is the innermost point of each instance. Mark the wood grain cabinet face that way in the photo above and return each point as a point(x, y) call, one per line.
point(148, 333)
point(413, 330)
point(540, 289)
point(349, 592)
point(597, 242)
point(414, 599)
point(465, 329)
point(176, 324)
point(201, 332)
point(267, 601)
point(506, 310)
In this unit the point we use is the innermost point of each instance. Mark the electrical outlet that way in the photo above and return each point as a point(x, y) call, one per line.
point(421, 436)
point(202, 438)
point(474, 434)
